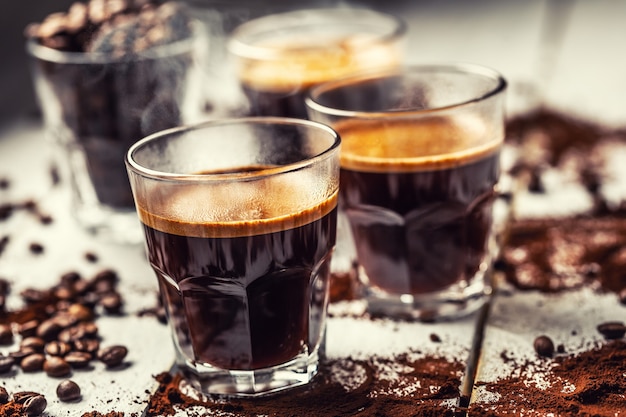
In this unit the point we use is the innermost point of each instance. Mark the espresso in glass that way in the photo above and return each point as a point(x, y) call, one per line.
point(420, 209)
point(242, 295)
point(239, 218)
point(279, 57)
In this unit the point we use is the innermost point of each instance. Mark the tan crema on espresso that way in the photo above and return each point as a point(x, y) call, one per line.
point(409, 145)
point(303, 62)
point(239, 208)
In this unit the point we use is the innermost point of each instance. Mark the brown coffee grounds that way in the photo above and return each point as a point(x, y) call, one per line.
point(589, 384)
point(552, 255)
point(99, 414)
point(400, 386)
point(11, 409)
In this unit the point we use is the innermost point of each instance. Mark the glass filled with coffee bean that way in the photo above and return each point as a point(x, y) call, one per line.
point(239, 218)
point(278, 57)
point(419, 167)
point(106, 74)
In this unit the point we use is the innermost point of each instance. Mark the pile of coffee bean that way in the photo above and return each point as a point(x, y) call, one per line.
point(116, 27)
point(56, 328)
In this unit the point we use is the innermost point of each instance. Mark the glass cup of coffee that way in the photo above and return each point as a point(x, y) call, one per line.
point(278, 57)
point(239, 218)
point(104, 85)
point(419, 168)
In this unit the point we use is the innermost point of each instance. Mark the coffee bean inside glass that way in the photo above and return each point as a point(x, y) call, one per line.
point(239, 219)
point(280, 56)
point(419, 169)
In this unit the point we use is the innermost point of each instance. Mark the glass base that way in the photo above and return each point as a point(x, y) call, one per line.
point(113, 225)
point(215, 382)
point(453, 302)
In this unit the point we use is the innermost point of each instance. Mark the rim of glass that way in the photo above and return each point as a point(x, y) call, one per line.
point(46, 53)
point(263, 173)
point(294, 19)
point(500, 85)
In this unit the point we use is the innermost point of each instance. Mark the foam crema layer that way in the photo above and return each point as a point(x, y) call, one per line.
point(408, 145)
point(237, 208)
point(300, 62)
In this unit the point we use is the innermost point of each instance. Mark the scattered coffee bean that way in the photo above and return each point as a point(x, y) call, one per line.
point(57, 348)
point(560, 348)
point(91, 257)
point(22, 353)
point(28, 328)
point(35, 405)
point(435, 338)
point(49, 330)
point(34, 342)
point(6, 335)
point(70, 278)
point(21, 397)
point(112, 355)
point(56, 367)
point(6, 364)
point(33, 362)
point(87, 345)
point(4, 395)
point(77, 359)
point(112, 303)
point(68, 390)
point(36, 248)
point(612, 329)
point(544, 346)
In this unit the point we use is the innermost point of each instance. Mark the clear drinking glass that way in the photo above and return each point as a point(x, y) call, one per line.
point(240, 222)
point(95, 105)
point(280, 56)
point(419, 163)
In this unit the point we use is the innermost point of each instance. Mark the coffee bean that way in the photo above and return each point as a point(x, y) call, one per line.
point(34, 342)
point(22, 353)
point(435, 338)
point(78, 359)
point(80, 312)
point(68, 390)
point(4, 395)
point(21, 397)
point(544, 346)
point(612, 329)
point(49, 330)
point(91, 257)
point(57, 348)
point(63, 319)
point(36, 248)
point(35, 405)
point(87, 345)
point(28, 328)
point(33, 362)
point(112, 303)
point(112, 355)
point(72, 334)
point(56, 367)
point(70, 278)
point(6, 335)
point(6, 364)
point(31, 295)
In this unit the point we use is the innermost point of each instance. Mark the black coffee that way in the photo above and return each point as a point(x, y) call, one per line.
point(419, 203)
point(242, 294)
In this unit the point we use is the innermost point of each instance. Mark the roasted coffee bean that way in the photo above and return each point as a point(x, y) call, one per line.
point(33, 362)
point(21, 397)
point(435, 338)
point(36, 248)
point(87, 345)
point(70, 278)
point(63, 292)
point(4, 395)
point(91, 257)
point(35, 405)
point(6, 335)
point(34, 342)
point(28, 328)
point(6, 364)
point(80, 312)
point(106, 275)
point(64, 319)
point(49, 329)
point(112, 303)
point(544, 346)
point(57, 348)
point(56, 367)
point(112, 355)
point(81, 286)
point(18, 355)
point(78, 359)
point(68, 390)
point(612, 329)
point(31, 295)
point(90, 328)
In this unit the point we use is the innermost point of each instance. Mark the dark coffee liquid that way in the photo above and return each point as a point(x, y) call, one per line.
point(420, 216)
point(274, 103)
point(244, 295)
